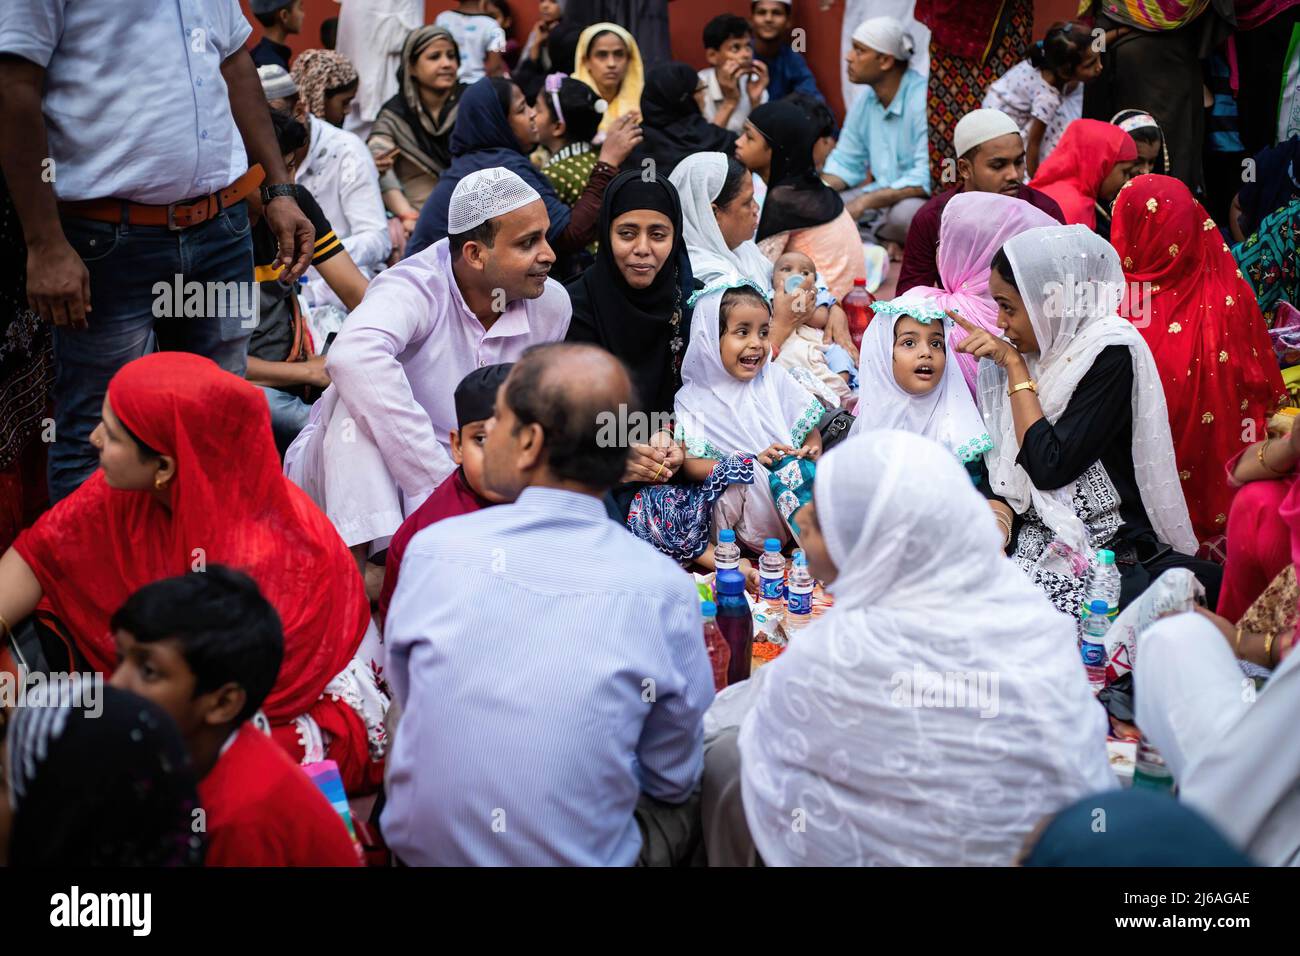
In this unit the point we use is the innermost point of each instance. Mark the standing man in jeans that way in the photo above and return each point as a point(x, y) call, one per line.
point(129, 129)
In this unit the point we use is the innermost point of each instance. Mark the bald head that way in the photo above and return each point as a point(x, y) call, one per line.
point(567, 389)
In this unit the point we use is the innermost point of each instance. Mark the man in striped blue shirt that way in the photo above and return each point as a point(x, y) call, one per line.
point(549, 665)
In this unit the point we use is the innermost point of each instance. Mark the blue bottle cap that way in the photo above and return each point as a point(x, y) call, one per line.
point(726, 536)
point(1099, 608)
point(730, 581)
point(772, 544)
point(708, 609)
point(1105, 557)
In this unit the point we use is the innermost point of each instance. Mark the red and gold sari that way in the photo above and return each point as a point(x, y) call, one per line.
point(1204, 327)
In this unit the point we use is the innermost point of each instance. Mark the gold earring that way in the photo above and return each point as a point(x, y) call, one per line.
point(158, 482)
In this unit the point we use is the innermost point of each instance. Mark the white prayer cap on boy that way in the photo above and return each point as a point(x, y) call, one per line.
point(978, 127)
point(885, 35)
point(485, 194)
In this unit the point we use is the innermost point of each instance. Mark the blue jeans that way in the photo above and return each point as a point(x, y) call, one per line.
point(289, 415)
point(129, 317)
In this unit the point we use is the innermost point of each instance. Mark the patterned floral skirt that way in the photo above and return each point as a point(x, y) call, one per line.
point(957, 84)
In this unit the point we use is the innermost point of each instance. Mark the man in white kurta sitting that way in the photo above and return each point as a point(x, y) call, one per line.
point(377, 444)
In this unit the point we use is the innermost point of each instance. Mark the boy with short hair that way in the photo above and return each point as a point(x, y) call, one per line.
point(206, 647)
point(465, 491)
point(279, 19)
point(787, 70)
point(733, 82)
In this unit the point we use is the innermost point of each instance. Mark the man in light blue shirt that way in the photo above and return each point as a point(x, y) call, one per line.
point(884, 135)
point(549, 666)
point(128, 131)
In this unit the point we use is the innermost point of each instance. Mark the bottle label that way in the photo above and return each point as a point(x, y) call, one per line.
point(800, 603)
point(773, 587)
point(1094, 655)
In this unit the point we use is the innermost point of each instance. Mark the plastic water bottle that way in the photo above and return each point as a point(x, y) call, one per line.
point(1150, 772)
point(716, 645)
point(857, 307)
point(1092, 645)
point(1103, 585)
point(736, 623)
point(798, 601)
point(726, 554)
point(771, 577)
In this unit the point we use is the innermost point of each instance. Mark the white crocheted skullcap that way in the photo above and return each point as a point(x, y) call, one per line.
point(486, 194)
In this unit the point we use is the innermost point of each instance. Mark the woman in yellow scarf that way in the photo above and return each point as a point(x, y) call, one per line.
point(609, 61)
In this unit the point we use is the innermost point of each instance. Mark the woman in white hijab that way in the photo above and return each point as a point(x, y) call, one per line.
point(939, 709)
point(1083, 457)
point(719, 217)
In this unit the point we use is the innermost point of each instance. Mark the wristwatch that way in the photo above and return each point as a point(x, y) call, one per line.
point(278, 190)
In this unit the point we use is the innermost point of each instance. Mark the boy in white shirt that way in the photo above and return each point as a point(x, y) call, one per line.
point(480, 39)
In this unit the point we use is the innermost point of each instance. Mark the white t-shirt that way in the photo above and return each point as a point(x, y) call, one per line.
point(1024, 95)
point(477, 35)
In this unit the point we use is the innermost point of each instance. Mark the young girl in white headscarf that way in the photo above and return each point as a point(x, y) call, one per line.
point(734, 400)
point(908, 381)
point(1083, 458)
point(939, 710)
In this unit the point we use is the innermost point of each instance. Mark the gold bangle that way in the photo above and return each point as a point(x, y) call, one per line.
point(1005, 524)
point(1030, 384)
point(5, 625)
point(658, 472)
point(1259, 456)
point(1238, 644)
point(1268, 646)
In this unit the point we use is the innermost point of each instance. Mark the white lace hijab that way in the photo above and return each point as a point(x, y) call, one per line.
point(699, 179)
point(946, 414)
point(858, 731)
point(1071, 281)
point(718, 414)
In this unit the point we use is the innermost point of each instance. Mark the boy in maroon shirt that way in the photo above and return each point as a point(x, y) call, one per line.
point(206, 647)
point(464, 491)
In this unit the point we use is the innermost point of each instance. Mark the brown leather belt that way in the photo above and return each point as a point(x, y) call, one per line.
point(175, 216)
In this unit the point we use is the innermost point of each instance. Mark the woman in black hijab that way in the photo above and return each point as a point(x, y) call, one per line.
point(672, 123)
point(796, 196)
point(91, 788)
point(632, 303)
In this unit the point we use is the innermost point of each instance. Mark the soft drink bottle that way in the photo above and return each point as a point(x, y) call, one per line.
point(726, 554)
point(798, 602)
point(771, 577)
point(735, 622)
point(857, 306)
point(1092, 645)
point(1103, 585)
point(716, 644)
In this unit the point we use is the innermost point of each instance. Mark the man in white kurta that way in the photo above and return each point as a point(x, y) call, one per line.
point(378, 441)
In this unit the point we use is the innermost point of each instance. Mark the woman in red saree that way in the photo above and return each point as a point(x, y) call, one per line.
point(1200, 318)
point(1090, 164)
point(189, 476)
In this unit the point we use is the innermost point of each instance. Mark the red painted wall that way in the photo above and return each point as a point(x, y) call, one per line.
point(687, 19)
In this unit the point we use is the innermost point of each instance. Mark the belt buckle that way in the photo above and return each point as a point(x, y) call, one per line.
point(171, 217)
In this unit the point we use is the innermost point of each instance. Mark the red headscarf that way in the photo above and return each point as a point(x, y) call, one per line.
point(1082, 159)
point(1206, 332)
point(229, 504)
